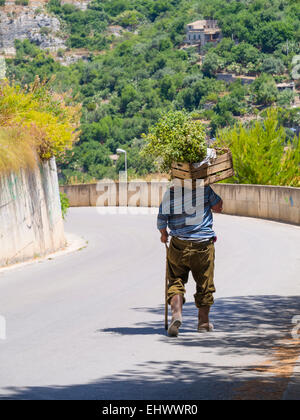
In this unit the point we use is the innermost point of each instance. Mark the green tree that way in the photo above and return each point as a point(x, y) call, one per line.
point(261, 154)
point(129, 18)
point(245, 53)
point(272, 65)
point(286, 97)
point(176, 138)
point(273, 34)
point(212, 63)
point(265, 90)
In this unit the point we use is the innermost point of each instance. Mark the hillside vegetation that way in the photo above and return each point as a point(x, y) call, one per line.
point(130, 77)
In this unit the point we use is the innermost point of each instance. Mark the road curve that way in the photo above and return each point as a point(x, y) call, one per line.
point(89, 325)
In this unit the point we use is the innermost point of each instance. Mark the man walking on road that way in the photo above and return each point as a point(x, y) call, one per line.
point(191, 249)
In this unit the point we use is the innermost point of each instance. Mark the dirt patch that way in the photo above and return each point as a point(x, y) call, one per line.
point(275, 373)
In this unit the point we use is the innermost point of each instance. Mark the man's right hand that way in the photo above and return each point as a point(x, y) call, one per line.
point(218, 208)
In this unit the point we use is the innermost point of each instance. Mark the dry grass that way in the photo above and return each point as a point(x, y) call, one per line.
point(17, 149)
point(34, 123)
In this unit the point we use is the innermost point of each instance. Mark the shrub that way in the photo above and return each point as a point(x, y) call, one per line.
point(176, 138)
point(262, 154)
point(265, 90)
point(65, 204)
point(36, 121)
point(22, 2)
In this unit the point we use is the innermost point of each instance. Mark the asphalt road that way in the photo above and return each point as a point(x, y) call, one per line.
point(89, 325)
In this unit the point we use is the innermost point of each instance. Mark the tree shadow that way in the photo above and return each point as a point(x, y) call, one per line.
point(177, 380)
point(243, 324)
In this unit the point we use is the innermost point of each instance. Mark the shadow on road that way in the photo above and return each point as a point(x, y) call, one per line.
point(241, 323)
point(244, 325)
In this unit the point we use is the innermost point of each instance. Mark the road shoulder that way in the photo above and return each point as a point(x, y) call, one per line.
point(292, 392)
point(73, 243)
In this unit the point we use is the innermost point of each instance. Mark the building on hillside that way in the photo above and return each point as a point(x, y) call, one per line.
point(114, 159)
point(231, 78)
point(202, 32)
point(248, 80)
point(286, 86)
point(116, 30)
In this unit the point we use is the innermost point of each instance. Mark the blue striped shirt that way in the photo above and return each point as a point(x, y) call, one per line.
point(187, 213)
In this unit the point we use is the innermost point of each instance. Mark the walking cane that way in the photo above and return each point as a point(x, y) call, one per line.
point(166, 291)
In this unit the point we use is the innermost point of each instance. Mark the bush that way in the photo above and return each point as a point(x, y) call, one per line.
point(176, 138)
point(262, 154)
point(285, 98)
point(65, 204)
point(34, 120)
point(265, 90)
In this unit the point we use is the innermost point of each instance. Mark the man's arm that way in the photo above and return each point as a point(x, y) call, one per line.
point(162, 224)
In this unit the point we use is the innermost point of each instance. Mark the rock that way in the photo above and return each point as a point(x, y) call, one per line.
point(26, 23)
point(79, 4)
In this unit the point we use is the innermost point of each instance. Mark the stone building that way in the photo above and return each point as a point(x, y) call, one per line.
point(201, 32)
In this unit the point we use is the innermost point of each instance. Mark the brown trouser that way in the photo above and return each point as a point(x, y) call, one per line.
point(199, 258)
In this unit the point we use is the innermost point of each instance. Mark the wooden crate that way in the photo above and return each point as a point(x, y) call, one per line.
point(221, 168)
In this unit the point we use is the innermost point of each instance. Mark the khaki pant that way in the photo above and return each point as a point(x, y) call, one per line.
point(199, 258)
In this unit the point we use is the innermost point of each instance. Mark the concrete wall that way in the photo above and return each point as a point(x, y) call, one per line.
point(139, 194)
point(268, 202)
point(31, 224)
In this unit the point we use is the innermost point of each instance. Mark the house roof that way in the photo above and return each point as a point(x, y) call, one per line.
point(286, 85)
point(212, 31)
point(203, 24)
point(114, 157)
point(199, 24)
point(115, 28)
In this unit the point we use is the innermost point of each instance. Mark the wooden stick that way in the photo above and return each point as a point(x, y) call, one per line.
point(166, 291)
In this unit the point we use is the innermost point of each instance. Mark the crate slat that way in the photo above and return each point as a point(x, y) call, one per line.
point(212, 179)
point(210, 170)
point(188, 167)
point(182, 166)
point(220, 169)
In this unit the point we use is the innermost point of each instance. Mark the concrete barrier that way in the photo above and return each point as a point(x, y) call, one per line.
point(110, 193)
point(31, 223)
point(268, 202)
